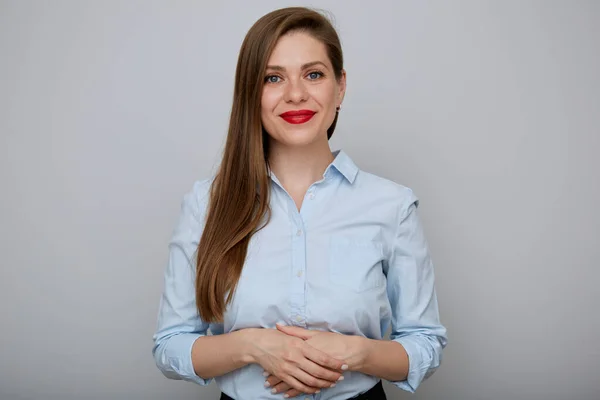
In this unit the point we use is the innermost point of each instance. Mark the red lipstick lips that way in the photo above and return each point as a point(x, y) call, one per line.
point(297, 116)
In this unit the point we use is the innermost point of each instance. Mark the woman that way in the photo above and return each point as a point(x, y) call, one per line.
point(294, 259)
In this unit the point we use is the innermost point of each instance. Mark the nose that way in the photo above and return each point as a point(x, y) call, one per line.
point(295, 91)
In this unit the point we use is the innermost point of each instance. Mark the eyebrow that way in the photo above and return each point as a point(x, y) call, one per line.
point(304, 66)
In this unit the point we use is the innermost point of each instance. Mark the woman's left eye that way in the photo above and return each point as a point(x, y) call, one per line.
point(315, 75)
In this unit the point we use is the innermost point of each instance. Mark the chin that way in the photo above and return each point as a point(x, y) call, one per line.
point(296, 136)
point(297, 140)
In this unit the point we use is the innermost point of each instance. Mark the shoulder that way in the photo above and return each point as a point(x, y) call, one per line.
point(393, 200)
point(388, 196)
point(201, 189)
point(197, 196)
point(387, 190)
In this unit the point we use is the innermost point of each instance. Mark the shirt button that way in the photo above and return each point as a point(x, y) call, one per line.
point(311, 196)
point(299, 274)
point(299, 318)
point(299, 232)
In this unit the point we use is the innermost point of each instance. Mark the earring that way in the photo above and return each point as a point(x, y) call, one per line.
point(338, 108)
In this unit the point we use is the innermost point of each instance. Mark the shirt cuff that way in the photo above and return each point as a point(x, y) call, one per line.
point(419, 362)
point(176, 359)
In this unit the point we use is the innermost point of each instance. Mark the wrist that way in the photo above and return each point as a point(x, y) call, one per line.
point(365, 350)
point(249, 339)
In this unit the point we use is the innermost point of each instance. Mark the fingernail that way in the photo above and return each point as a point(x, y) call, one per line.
point(273, 390)
point(344, 367)
point(318, 391)
point(266, 373)
point(267, 384)
point(341, 378)
point(286, 396)
point(332, 385)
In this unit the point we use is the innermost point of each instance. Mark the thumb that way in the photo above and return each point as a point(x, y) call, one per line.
point(296, 331)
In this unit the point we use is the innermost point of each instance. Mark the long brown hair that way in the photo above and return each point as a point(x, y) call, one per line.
point(239, 196)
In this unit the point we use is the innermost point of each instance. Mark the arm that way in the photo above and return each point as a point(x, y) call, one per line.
point(179, 326)
point(217, 355)
point(417, 337)
point(183, 350)
point(385, 359)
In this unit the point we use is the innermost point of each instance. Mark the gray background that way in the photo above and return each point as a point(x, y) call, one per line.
point(489, 110)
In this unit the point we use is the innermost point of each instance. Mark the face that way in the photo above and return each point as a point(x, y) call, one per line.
point(301, 92)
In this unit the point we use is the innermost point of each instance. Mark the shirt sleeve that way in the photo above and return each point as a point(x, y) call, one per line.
point(411, 291)
point(178, 322)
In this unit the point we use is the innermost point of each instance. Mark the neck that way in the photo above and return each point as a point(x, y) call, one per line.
point(297, 168)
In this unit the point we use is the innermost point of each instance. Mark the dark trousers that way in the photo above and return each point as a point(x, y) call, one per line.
point(375, 393)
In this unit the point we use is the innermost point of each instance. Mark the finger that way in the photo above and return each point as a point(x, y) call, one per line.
point(321, 372)
point(309, 380)
point(280, 387)
point(323, 359)
point(298, 385)
point(291, 393)
point(302, 333)
point(272, 380)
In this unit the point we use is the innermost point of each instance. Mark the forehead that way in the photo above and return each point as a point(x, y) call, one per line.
point(297, 48)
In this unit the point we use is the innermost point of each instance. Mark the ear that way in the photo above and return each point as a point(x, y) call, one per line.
point(342, 87)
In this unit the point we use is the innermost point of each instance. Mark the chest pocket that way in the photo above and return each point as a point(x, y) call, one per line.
point(355, 263)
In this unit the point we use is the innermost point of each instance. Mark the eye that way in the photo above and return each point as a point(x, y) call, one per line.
point(315, 75)
point(272, 79)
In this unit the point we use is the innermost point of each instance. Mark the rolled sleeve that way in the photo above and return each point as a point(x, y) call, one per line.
point(411, 290)
point(424, 359)
point(174, 359)
point(179, 324)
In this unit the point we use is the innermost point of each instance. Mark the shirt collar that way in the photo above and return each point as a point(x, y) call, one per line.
point(344, 165)
point(341, 162)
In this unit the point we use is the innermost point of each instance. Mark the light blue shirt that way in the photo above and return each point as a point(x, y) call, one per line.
point(353, 260)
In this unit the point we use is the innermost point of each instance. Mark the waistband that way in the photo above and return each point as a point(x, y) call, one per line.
point(375, 393)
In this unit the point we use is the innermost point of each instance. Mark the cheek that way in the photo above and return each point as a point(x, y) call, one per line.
point(326, 95)
point(269, 101)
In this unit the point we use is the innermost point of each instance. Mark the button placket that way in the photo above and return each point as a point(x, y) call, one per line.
point(297, 295)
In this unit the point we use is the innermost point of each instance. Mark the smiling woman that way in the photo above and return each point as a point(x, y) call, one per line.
point(288, 266)
point(292, 82)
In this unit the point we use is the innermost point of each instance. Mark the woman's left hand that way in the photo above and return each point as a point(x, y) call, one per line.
point(352, 349)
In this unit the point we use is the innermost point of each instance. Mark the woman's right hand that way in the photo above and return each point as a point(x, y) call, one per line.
point(294, 361)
